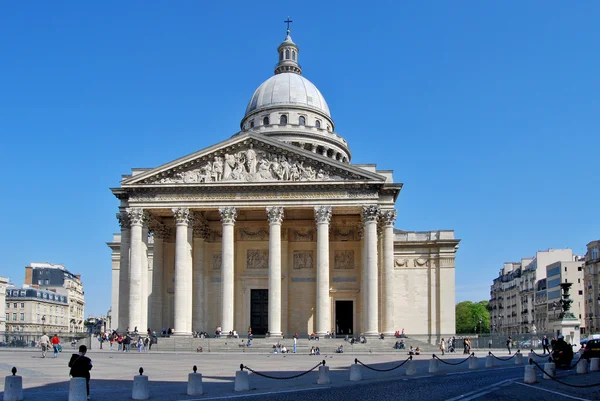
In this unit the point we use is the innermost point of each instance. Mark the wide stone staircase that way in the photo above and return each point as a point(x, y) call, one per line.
point(303, 346)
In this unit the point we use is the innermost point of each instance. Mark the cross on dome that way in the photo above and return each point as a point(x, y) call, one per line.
point(288, 54)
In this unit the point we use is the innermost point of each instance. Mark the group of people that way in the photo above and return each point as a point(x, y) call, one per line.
point(45, 343)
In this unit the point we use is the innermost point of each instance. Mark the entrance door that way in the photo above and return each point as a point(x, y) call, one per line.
point(259, 311)
point(344, 319)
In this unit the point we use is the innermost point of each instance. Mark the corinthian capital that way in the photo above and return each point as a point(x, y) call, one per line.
point(124, 221)
point(228, 215)
point(388, 217)
point(323, 214)
point(136, 215)
point(181, 215)
point(275, 214)
point(370, 213)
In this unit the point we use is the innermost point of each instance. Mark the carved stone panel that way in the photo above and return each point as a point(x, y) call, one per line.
point(341, 233)
point(343, 260)
point(257, 259)
point(302, 235)
point(303, 260)
point(217, 260)
point(256, 234)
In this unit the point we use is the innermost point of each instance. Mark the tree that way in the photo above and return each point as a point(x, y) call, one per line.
point(468, 315)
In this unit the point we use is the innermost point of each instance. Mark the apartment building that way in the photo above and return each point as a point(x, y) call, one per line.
point(32, 310)
point(3, 285)
point(565, 272)
point(592, 286)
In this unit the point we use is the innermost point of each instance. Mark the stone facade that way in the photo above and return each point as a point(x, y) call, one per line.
point(592, 286)
point(3, 305)
point(32, 310)
point(274, 229)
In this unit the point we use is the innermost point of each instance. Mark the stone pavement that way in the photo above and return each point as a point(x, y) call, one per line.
point(113, 372)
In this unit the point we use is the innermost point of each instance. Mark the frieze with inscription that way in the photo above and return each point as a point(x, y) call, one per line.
point(249, 196)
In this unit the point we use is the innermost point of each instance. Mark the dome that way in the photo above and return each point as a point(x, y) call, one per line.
point(288, 89)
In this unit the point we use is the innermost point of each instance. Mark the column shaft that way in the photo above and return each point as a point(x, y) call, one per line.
point(370, 214)
point(123, 312)
point(275, 215)
point(144, 280)
point(198, 288)
point(363, 284)
point(323, 216)
point(388, 280)
point(157, 284)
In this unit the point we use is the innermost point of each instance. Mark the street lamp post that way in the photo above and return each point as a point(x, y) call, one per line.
point(44, 324)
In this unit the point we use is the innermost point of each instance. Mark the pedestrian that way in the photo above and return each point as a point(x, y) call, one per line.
point(44, 342)
point(55, 344)
point(295, 339)
point(546, 344)
point(508, 344)
point(490, 344)
point(140, 344)
point(80, 367)
point(442, 346)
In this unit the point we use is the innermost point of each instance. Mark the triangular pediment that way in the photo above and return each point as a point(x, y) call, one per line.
point(251, 158)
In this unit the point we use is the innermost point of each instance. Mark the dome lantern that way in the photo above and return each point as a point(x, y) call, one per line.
point(288, 54)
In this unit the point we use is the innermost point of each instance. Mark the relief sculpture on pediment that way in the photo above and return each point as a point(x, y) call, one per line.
point(248, 165)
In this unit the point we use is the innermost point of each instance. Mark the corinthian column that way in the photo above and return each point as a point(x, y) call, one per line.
point(323, 217)
point(275, 216)
point(370, 215)
point(183, 272)
point(200, 235)
point(161, 232)
point(145, 293)
point(228, 216)
point(122, 318)
point(136, 217)
point(388, 217)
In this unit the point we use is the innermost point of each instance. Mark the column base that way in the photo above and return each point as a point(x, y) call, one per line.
point(275, 335)
point(181, 334)
point(372, 334)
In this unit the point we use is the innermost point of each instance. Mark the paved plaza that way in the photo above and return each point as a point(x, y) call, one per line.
point(47, 379)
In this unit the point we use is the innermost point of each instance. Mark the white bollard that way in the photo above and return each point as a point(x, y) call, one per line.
point(242, 381)
point(355, 373)
point(434, 365)
point(141, 388)
point(77, 389)
point(582, 366)
point(13, 387)
point(550, 368)
point(489, 361)
point(411, 369)
point(594, 364)
point(473, 362)
point(519, 359)
point(194, 386)
point(530, 374)
point(323, 375)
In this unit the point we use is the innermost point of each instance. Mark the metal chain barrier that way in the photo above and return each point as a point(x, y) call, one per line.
point(538, 355)
point(242, 367)
point(575, 364)
point(383, 370)
point(504, 359)
point(453, 363)
point(531, 361)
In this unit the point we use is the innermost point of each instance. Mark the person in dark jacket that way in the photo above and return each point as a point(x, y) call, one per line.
point(80, 366)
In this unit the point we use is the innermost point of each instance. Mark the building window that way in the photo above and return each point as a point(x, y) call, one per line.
point(281, 56)
point(46, 281)
point(318, 123)
point(15, 305)
point(293, 55)
point(302, 120)
point(283, 120)
point(7, 305)
point(580, 292)
point(328, 128)
point(14, 317)
point(578, 268)
point(287, 54)
point(22, 304)
point(266, 120)
point(7, 317)
point(251, 123)
point(22, 317)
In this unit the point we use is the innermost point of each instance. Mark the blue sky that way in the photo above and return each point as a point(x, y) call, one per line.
point(488, 112)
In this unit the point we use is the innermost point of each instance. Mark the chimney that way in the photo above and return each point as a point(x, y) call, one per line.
point(28, 275)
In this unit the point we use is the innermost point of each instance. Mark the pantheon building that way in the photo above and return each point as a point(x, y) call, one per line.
point(275, 229)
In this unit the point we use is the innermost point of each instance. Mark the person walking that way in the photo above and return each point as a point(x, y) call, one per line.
point(508, 344)
point(546, 344)
point(44, 343)
point(55, 344)
point(442, 346)
point(80, 367)
point(295, 339)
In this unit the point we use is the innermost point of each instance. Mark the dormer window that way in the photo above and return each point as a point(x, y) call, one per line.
point(266, 120)
point(283, 120)
point(318, 123)
point(302, 120)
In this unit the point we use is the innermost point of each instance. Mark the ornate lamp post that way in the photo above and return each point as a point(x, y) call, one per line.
point(44, 324)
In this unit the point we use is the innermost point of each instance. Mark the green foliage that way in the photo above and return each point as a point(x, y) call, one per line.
point(468, 314)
